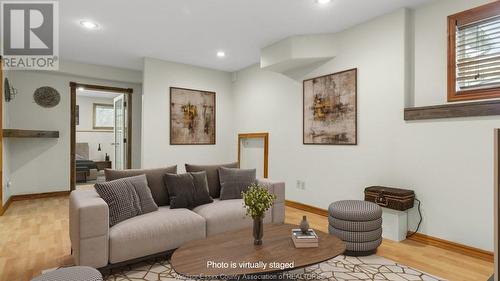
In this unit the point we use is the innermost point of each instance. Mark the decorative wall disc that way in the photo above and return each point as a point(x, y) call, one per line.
point(47, 97)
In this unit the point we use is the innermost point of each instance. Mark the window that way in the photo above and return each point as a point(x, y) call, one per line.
point(103, 116)
point(474, 53)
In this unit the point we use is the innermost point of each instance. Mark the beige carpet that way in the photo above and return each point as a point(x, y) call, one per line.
point(338, 269)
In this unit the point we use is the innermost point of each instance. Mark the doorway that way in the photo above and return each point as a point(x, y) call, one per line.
point(253, 152)
point(101, 132)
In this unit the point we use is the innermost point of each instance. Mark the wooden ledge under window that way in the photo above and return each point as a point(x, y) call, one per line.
point(469, 109)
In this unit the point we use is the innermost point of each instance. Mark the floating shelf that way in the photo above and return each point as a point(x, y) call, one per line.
point(469, 109)
point(15, 133)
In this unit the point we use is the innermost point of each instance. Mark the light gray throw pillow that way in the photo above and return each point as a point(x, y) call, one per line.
point(235, 181)
point(122, 199)
point(126, 198)
point(143, 191)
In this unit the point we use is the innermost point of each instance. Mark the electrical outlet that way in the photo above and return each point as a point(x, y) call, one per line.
point(8, 184)
point(301, 184)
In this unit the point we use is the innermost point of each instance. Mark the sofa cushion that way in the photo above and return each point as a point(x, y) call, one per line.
point(122, 199)
point(154, 232)
point(212, 175)
point(155, 180)
point(226, 215)
point(235, 181)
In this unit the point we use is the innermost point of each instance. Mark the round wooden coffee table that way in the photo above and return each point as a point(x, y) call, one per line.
point(233, 254)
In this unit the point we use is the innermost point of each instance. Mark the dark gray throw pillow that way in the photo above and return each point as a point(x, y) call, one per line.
point(187, 190)
point(155, 180)
point(143, 191)
point(180, 190)
point(201, 195)
point(212, 175)
point(122, 199)
point(235, 181)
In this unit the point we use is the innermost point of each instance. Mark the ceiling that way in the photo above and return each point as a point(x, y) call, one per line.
point(192, 31)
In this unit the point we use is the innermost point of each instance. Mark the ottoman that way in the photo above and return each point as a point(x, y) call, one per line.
point(358, 224)
point(75, 273)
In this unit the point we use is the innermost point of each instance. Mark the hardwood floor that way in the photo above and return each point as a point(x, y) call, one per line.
point(34, 236)
point(443, 263)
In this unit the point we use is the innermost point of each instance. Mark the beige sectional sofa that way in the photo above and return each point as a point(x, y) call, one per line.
point(95, 244)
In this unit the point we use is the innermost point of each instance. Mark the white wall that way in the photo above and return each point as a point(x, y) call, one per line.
point(447, 162)
point(156, 149)
point(85, 132)
point(42, 165)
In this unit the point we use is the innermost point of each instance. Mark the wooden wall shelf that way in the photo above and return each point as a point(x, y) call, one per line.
point(469, 109)
point(15, 133)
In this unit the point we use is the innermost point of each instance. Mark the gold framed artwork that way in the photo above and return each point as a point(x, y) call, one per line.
point(330, 109)
point(103, 116)
point(192, 117)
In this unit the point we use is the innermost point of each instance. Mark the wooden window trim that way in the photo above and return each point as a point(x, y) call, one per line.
point(264, 136)
point(462, 18)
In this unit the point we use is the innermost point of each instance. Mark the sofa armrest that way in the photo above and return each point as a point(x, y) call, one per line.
point(278, 189)
point(89, 228)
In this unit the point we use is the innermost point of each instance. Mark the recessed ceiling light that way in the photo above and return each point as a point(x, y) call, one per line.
point(221, 54)
point(322, 2)
point(89, 24)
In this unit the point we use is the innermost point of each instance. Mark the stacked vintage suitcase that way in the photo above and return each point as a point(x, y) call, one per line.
point(389, 197)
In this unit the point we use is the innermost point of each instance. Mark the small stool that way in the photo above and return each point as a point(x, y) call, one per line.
point(358, 224)
point(75, 273)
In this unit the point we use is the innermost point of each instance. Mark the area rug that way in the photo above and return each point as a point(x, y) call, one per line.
point(341, 268)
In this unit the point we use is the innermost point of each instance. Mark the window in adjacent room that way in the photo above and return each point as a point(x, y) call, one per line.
point(474, 53)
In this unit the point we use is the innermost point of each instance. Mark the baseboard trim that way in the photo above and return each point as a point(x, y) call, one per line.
point(4, 208)
point(418, 237)
point(307, 208)
point(39, 195)
point(452, 246)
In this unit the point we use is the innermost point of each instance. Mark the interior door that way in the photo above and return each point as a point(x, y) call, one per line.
point(119, 105)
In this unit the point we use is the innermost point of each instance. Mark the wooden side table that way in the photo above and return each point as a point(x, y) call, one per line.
point(101, 165)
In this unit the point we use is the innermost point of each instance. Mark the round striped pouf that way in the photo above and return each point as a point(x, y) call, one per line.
point(358, 224)
point(74, 273)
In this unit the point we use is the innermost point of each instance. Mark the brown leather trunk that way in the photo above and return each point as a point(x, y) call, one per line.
point(389, 197)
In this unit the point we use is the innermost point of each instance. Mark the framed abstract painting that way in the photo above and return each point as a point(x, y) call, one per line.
point(330, 109)
point(192, 116)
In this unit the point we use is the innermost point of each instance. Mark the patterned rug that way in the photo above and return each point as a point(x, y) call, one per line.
point(341, 268)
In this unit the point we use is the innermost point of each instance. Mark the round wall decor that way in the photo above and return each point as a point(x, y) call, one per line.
point(47, 97)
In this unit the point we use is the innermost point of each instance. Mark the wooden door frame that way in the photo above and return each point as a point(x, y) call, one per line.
point(264, 136)
point(73, 87)
point(2, 209)
point(496, 214)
